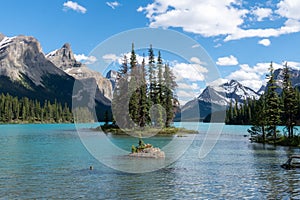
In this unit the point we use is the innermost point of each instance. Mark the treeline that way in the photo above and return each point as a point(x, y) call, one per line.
point(149, 91)
point(24, 110)
point(270, 110)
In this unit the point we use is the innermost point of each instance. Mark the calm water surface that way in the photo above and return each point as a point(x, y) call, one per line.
point(50, 162)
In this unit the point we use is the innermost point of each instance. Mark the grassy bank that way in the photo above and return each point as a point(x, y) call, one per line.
point(145, 131)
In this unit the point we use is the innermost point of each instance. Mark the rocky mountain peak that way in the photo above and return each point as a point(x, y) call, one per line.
point(23, 55)
point(227, 92)
point(64, 57)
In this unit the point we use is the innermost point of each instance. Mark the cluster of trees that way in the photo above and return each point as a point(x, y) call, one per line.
point(271, 110)
point(14, 110)
point(148, 89)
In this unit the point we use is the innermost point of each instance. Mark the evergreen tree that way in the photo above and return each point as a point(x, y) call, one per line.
point(134, 89)
point(169, 97)
point(273, 110)
point(289, 103)
point(152, 76)
point(121, 95)
point(144, 103)
point(259, 121)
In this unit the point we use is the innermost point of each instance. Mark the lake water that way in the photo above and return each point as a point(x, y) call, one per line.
point(51, 162)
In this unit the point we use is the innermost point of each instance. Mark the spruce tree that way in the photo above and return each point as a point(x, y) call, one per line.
point(273, 110)
point(289, 103)
point(121, 95)
point(152, 76)
point(144, 103)
point(170, 99)
point(134, 89)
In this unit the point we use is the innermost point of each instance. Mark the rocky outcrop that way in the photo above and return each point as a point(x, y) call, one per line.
point(150, 152)
point(64, 59)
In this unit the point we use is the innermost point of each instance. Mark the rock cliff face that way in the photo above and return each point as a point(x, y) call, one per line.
point(25, 71)
point(64, 59)
point(23, 55)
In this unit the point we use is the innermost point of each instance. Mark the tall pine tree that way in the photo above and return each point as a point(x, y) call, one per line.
point(273, 110)
point(289, 102)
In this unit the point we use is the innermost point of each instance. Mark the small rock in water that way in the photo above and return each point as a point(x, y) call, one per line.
point(149, 153)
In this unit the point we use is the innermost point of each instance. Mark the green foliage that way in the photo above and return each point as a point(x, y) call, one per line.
point(15, 110)
point(290, 104)
point(141, 90)
point(271, 110)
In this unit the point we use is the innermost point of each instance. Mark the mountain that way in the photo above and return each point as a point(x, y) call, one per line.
point(65, 60)
point(216, 97)
point(294, 75)
point(261, 90)
point(112, 76)
point(25, 71)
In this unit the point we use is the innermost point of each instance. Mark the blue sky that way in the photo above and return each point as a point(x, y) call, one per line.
point(241, 36)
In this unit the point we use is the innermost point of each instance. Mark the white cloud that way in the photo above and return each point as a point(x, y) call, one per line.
point(119, 58)
point(262, 13)
point(252, 77)
point(208, 18)
point(227, 61)
point(186, 86)
point(191, 72)
point(74, 6)
point(113, 4)
point(85, 59)
point(290, 26)
point(111, 58)
point(289, 9)
point(294, 65)
point(218, 82)
point(196, 46)
point(227, 18)
point(265, 42)
point(197, 61)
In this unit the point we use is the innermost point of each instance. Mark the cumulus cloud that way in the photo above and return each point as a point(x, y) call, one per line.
point(227, 61)
point(85, 59)
point(208, 18)
point(74, 6)
point(186, 86)
point(111, 58)
point(191, 72)
point(289, 9)
point(223, 17)
point(265, 42)
point(113, 4)
point(262, 13)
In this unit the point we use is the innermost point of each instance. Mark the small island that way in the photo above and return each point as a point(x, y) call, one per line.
point(146, 151)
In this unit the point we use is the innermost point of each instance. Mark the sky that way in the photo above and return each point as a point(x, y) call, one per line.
point(242, 37)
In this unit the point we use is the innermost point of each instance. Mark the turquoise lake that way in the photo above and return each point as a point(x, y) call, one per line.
point(51, 162)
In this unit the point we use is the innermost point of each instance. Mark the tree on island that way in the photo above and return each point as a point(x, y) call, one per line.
point(147, 85)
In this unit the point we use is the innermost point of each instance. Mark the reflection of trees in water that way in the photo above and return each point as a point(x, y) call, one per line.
point(276, 182)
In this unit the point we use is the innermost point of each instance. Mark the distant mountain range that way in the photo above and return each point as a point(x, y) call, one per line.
point(26, 71)
point(216, 98)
